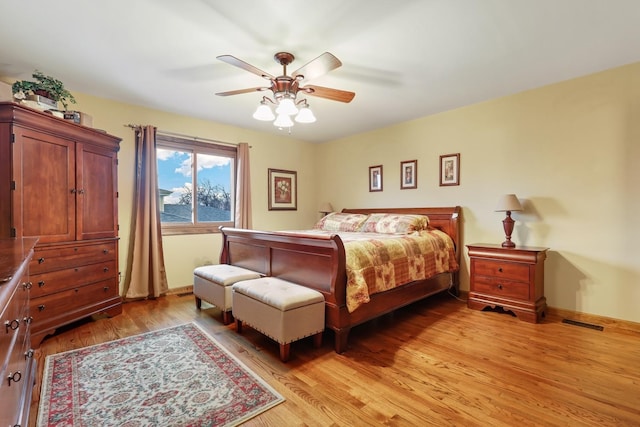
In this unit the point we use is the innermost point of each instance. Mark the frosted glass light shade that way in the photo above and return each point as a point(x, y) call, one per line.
point(305, 116)
point(283, 121)
point(264, 113)
point(287, 106)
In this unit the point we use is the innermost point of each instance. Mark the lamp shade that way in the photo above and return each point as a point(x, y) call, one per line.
point(287, 106)
point(305, 116)
point(326, 207)
point(508, 202)
point(264, 113)
point(283, 121)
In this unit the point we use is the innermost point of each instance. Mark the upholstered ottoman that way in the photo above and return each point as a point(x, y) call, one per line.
point(281, 310)
point(212, 283)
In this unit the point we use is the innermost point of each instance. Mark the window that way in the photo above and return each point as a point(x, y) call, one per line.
point(185, 166)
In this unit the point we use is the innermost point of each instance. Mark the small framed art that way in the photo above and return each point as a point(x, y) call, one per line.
point(375, 178)
point(283, 190)
point(408, 174)
point(450, 169)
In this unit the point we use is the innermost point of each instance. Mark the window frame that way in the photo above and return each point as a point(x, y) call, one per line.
point(196, 147)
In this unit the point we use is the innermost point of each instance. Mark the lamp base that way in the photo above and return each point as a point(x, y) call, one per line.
point(508, 244)
point(507, 224)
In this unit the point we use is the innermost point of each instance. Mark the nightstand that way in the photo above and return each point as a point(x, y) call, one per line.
point(511, 278)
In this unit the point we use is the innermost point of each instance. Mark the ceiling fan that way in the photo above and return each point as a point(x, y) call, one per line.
point(285, 88)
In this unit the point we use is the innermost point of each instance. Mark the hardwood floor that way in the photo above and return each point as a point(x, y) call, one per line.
point(432, 363)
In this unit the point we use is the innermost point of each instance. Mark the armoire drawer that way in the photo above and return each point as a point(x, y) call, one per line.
point(52, 258)
point(63, 303)
point(60, 280)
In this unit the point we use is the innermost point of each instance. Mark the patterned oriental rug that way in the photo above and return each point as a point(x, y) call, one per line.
point(177, 376)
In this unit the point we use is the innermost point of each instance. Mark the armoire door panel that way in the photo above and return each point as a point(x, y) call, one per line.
point(96, 208)
point(47, 182)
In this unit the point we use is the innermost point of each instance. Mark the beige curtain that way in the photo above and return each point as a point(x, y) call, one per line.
point(243, 187)
point(146, 276)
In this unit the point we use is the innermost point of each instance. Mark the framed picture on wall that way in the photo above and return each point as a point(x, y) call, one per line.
point(375, 178)
point(450, 169)
point(408, 174)
point(283, 190)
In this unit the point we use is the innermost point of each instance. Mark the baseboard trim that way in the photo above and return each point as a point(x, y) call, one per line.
point(607, 322)
point(181, 290)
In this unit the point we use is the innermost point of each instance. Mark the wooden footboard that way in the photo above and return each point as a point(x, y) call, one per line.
point(318, 262)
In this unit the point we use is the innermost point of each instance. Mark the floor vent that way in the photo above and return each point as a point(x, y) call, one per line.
point(583, 324)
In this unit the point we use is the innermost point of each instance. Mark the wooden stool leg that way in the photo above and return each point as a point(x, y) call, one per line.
point(239, 326)
point(317, 340)
point(285, 351)
point(226, 317)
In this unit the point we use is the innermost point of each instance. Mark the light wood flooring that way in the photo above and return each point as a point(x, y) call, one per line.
point(432, 363)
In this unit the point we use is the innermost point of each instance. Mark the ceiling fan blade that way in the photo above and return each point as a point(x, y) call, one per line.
point(329, 93)
point(232, 60)
point(318, 67)
point(239, 91)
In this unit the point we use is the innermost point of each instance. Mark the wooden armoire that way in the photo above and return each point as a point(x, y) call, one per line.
point(58, 182)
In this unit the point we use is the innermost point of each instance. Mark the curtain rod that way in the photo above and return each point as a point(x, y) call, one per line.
point(181, 135)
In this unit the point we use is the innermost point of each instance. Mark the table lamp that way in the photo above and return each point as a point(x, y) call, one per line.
point(508, 203)
point(325, 208)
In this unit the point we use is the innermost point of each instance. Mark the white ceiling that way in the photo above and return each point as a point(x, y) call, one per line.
point(404, 59)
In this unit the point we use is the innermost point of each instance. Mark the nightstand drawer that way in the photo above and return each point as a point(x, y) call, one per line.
point(502, 270)
point(500, 287)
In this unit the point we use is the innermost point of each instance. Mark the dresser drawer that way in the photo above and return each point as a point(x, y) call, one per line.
point(65, 303)
point(501, 269)
point(60, 257)
point(12, 324)
point(56, 281)
point(500, 287)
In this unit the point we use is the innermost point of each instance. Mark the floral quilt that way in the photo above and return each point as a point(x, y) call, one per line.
point(386, 261)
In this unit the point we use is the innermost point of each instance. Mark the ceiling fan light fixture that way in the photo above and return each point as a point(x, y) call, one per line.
point(264, 113)
point(283, 121)
point(305, 115)
point(286, 106)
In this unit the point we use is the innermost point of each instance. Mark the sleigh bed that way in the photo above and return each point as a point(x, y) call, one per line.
point(319, 261)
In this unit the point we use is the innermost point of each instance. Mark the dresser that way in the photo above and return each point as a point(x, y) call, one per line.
point(510, 278)
point(58, 182)
point(17, 365)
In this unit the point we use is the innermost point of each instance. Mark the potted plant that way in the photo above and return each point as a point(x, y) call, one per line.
point(45, 86)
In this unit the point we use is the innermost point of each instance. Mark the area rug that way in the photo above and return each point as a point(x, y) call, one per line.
point(177, 376)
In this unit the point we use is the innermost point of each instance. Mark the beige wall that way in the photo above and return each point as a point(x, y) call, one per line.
point(569, 151)
point(183, 253)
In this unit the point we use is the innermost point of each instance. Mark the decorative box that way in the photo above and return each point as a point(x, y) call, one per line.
point(79, 118)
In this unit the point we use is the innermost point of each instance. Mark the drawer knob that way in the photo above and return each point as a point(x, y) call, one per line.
point(27, 285)
point(106, 288)
point(12, 325)
point(105, 251)
point(15, 377)
point(499, 269)
point(41, 307)
point(27, 320)
point(29, 354)
point(106, 269)
point(41, 283)
point(40, 260)
point(499, 286)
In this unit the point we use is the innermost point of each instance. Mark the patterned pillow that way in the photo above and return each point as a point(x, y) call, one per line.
point(338, 221)
point(395, 223)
